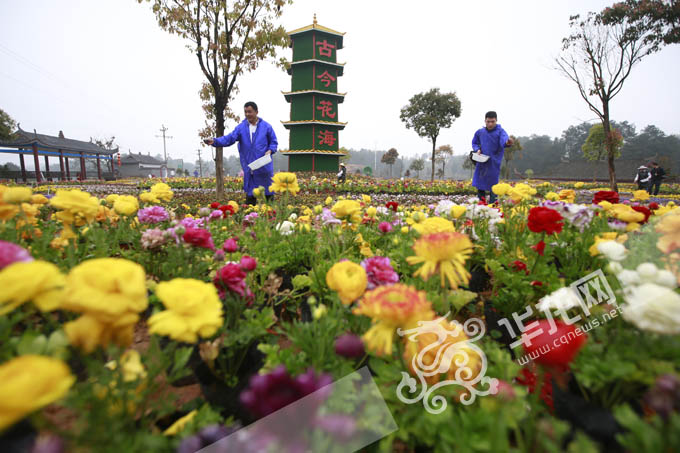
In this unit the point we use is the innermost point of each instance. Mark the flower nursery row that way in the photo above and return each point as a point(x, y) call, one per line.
point(156, 318)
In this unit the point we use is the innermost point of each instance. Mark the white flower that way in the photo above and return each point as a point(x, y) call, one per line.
point(666, 278)
point(443, 208)
point(653, 308)
point(564, 298)
point(292, 217)
point(647, 272)
point(614, 267)
point(382, 210)
point(612, 250)
point(285, 227)
point(628, 277)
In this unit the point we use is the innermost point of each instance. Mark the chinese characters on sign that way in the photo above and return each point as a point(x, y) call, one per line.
point(325, 49)
point(582, 289)
point(326, 138)
point(326, 79)
point(326, 108)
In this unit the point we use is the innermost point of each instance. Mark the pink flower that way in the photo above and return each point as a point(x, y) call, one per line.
point(152, 214)
point(199, 238)
point(230, 245)
point(385, 227)
point(12, 253)
point(379, 271)
point(248, 263)
point(231, 277)
point(349, 346)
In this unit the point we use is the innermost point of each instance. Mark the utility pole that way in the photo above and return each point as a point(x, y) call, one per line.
point(165, 154)
point(200, 164)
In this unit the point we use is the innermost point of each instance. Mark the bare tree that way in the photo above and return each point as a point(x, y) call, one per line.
point(598, 58)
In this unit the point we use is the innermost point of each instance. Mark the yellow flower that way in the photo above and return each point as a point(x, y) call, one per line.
point(234, 205)
point(365, 250)
point(640, 195)
point(604, 237)
point(446, 356)
point(126, 205)
point(416, 217)
point(626, 213)
point(258, 191)
point(521, 192)
point(578, 185)
point(348, 210)
point(446, 252)
point(404, 230)
point(17, 195)
point(30, 382)
point(162, 191)
point(180, 424)
point(392, 307)
point(669, 227)
point(285, 182)
point(366, 199)
point(567, 195)
point(37, 281)
point(107, 288)
point(552, 196)
point(111, 198)
point(371, 212)
point(193, 309)
point(87, 332)
point(457, 211)
point(146, 197)
point(434, 225)
point(39, 199)
point(131, 365)
point(105, 213)
point(328, 201)
point(348, 279)
point(501, 188)
point(75, 206)
point(319, 311)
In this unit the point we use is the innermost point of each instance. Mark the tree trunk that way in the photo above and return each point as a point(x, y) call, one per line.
point(219, 156)
point(610, 149)
point(434, 145)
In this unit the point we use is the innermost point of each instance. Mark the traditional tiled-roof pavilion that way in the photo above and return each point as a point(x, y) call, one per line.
point(24, 142)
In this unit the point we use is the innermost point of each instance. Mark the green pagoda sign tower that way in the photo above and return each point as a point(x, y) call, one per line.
point(314, 120)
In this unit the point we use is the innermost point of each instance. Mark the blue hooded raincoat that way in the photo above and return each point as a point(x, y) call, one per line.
point(264, 139)
point(492, 143)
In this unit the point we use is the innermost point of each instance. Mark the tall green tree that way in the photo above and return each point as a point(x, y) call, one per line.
point(389, 158)
point(657, 20)
point(417, 165)
point(7, 125)
point(599, 58)
point(427, 113)
point(228, 39)
point(443, 154)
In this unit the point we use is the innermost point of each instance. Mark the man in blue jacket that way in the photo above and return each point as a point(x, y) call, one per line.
point(490, 140)
point(255, 138)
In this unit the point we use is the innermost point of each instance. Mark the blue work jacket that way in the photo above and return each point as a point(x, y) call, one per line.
point(492, 143)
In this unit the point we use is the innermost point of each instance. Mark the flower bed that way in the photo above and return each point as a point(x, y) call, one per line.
point(152, 317)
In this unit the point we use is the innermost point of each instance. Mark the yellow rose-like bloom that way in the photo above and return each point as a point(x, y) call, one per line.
point(392, 307)
point(285, 182)
point(131, 366)
point(76, 206)
point(640, 195)
point(126, 205)
point(17, 195)
point(162, 191)
point(180, 424)
point(521, 192)
point(328, 201)
point(348, 210)
point(106, 288)
point(457, 211)
point(567, 195)
point(446, 252)
point(416, 217)
point(87, 332)
point(626, 213)
point(193, 309)
point(442, 357)
point(105, 213)
point(234, 205)
point(501, 188)
point(669, 227)
point(147, 197)
point(111, 198)
point(37, 281)
point(258, 191)
point(348, 279)
point(578, 185)
point(30, 382)
point(366, 199)
point(434, 225)
point(39, 199)
point(552, 196)
point(371, 212)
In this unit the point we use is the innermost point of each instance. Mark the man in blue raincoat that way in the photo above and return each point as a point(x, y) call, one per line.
point(490, 140)
point(255, 138)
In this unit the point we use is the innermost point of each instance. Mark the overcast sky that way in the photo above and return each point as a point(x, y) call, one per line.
point(102, 68)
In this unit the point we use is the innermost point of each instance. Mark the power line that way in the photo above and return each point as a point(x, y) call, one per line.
point(163, 129)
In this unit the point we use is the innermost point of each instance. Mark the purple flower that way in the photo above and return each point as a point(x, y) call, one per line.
point(385, 227)
point(12, 253)
point(556, 205)
point(248, 263)
point(216, 214)
point(48, 443)
point(152, 214)
point(616, 224)
point(250, 219)
point(230, 245)
point(349, 346)
point(379, 271)
point(191, 223)
point(341, 426)
point(328, 217)
point(664, 397)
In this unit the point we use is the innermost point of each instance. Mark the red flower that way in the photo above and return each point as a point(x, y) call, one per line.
point(518, 265)
point(544, 219)
point(199, 237)
point(653, 205)
point(214, 205)
point(528, 379)
point(536, 283)
point(231, 277)
point(393, 205)
point(553, 349)
point(248, 263)
point(226, 209)
point(606, 195)
point(645, 211)
point(539, 247)
point(230, 245)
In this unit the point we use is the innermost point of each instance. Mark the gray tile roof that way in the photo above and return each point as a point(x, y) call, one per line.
point(25, 139)
point(139, 158)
